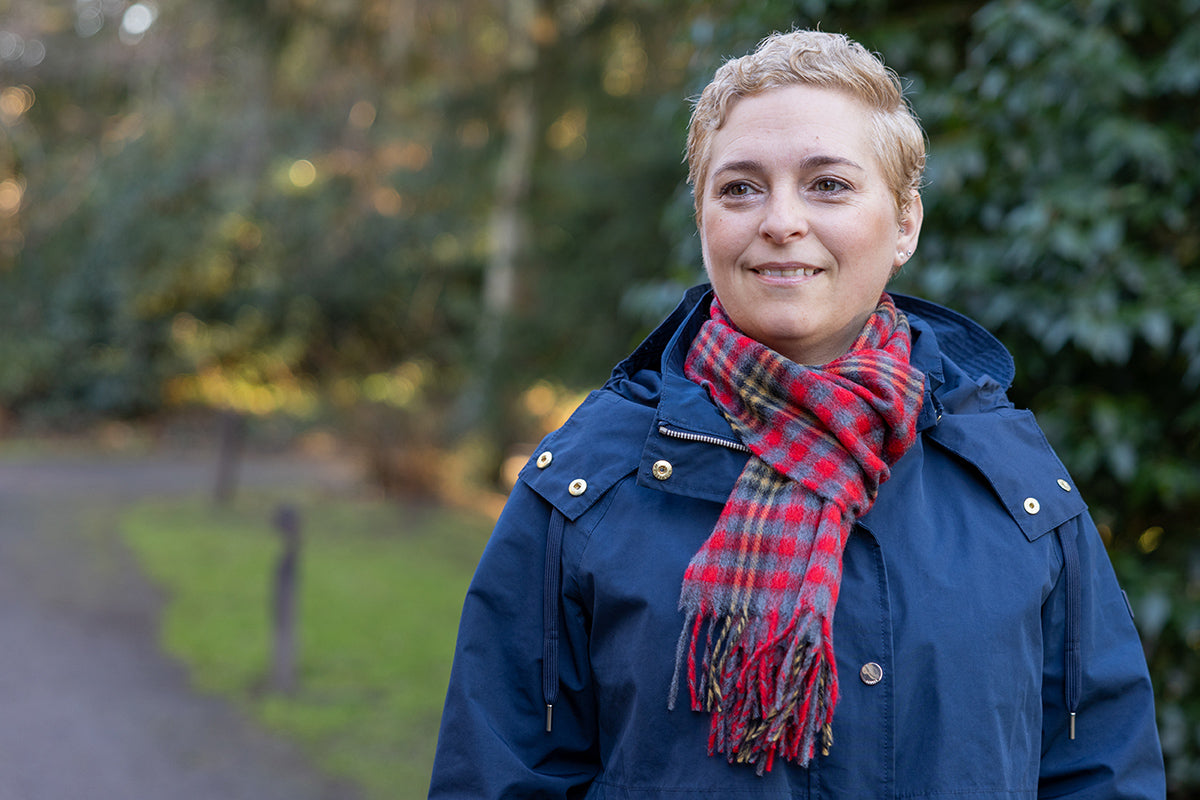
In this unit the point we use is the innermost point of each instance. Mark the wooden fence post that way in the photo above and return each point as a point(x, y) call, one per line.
point(283, 662)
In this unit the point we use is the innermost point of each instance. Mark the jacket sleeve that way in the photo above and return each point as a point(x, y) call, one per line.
point(1094, 666)
point(493, 741)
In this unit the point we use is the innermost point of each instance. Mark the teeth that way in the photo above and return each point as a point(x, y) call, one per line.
point(787, 273)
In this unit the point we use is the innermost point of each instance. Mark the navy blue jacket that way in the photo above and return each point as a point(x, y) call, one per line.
point(984, 648)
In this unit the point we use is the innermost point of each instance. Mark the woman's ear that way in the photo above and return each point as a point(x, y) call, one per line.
point(910, 231)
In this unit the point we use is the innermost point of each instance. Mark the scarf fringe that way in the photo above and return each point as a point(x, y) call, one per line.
point(770, 690)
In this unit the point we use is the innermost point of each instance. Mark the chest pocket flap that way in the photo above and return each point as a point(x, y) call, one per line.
point(599, 445)
point(1012, 453)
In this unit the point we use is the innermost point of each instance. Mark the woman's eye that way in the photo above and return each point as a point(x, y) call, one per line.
point(829, 185)
point(736, 189)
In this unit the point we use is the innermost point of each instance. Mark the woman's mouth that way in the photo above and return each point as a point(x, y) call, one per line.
point(786, 272)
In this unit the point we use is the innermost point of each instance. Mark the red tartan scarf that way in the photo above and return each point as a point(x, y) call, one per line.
point(759, 597)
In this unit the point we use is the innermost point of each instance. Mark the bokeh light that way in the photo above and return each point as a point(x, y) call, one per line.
point(136, 21)
point(362, 115)
point(11, 193)
point(15, 101)
point(302, 173)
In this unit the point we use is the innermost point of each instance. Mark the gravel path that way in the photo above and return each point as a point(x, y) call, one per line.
point(90, 709)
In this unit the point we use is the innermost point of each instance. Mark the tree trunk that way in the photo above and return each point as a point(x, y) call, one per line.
point(507, 224)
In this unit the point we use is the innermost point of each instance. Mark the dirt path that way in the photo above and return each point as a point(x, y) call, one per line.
point(90, 709)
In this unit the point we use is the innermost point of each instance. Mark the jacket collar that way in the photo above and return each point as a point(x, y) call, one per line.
point(683, 404)
point(966, 368)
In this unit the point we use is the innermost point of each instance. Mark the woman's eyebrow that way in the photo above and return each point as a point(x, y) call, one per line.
point(807, 163)
point(740, 166)
point(820, 160)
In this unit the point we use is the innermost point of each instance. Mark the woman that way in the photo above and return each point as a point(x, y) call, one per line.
point(800, 544)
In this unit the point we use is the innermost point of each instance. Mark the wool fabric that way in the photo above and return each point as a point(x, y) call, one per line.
point(759, 596)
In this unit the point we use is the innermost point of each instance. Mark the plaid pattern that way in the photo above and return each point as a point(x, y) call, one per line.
point(759, 597)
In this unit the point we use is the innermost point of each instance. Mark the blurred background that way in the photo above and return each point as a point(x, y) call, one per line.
point(420, 230)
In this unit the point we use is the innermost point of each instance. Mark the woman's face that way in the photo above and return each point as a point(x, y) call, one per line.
point(799, 230)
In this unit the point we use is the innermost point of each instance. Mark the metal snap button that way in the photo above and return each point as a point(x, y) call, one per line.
point(661, 470)
point(871, 673)
point(577, 487)
point(544, 459)
point(1032, 506)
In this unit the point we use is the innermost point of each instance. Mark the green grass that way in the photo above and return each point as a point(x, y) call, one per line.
point(381, 588)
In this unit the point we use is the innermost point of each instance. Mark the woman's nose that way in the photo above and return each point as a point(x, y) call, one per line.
point(785, 217)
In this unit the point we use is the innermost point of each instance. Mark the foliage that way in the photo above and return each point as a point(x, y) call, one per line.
point(225, 214)
point(372, 674)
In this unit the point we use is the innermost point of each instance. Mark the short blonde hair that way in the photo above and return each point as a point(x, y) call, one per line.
point(825, 60)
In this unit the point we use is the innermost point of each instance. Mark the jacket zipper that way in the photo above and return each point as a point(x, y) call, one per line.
point(701, 437)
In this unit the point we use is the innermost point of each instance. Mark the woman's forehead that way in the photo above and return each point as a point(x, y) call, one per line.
point(795, 123)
